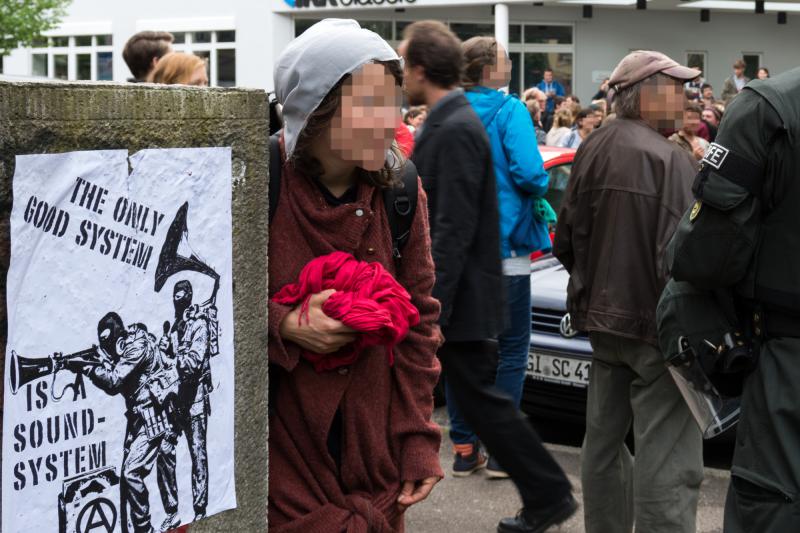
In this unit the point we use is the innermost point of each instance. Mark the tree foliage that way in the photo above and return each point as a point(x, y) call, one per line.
point(23, 21)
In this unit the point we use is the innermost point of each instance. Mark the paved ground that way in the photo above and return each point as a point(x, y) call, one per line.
point(475, 504)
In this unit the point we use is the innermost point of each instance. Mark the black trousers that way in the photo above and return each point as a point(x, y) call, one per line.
point(500, 425)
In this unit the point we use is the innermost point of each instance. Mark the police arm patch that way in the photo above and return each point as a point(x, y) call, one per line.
point(715, 155)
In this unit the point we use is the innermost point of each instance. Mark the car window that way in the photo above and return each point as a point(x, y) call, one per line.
point(559, 178)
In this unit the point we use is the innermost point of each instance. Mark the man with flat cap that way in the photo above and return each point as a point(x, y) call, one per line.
point(628, 190)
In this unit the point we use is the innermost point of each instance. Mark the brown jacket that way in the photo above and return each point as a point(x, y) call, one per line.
point(628, 189)
point(387, 432)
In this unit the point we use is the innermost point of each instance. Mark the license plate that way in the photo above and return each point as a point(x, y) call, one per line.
point(559, 369)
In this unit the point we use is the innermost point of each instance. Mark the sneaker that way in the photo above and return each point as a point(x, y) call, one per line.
point(494, 470)
point(170, 522)
point(468, 459)
point(539, 520)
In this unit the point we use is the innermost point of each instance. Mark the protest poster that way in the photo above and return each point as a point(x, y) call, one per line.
point(119, 368)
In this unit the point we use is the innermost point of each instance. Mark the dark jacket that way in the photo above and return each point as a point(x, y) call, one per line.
point(454, 160)
point(629, 188)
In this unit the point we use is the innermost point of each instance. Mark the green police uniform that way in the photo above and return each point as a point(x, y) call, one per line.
point(743, 233)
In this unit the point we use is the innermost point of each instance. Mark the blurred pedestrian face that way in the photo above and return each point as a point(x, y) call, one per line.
point(419, 120)
point(691, 122)
point(739, 72)
point(662, 103)
point(708, 93)
point(710, 117)
point(542, 100)
point(499, 74)
point(763, 74)
point(548, 76)
point(362, 130)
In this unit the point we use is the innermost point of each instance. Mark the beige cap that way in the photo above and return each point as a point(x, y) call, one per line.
point(642, 64)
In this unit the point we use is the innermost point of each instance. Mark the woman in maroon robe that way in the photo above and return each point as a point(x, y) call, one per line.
point(350, 449)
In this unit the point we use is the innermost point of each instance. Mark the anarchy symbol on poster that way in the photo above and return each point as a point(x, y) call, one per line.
point(118, 408)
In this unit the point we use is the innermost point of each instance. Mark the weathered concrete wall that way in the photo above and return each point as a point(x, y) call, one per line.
point(52, 118)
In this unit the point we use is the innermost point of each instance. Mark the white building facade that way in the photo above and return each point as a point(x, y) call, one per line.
point(242, 38)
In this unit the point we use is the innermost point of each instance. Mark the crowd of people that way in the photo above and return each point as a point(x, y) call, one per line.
point(352, 443)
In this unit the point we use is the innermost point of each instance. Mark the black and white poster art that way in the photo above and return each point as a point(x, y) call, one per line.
point(119, 374)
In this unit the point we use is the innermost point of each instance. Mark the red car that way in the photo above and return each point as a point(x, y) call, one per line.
point(558, 163)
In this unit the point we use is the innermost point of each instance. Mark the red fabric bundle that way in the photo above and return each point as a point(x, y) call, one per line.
point(367, 299)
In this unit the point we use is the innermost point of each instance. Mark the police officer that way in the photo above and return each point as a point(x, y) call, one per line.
point(187, 342)
point(743, 234)
point(130, 362)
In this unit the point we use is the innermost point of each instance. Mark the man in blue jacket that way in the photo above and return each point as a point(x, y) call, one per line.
point(551, 88)
point(520, 178)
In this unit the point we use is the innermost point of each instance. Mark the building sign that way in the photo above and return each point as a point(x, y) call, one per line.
point(118, 411)
point(293, 6)
point(346, 3)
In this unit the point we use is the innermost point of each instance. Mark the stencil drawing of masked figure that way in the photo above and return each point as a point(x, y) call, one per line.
point(132, 367)
point(188, 342)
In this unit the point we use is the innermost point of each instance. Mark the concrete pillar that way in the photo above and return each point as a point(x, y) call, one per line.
point(61, 117)
point(501, 24)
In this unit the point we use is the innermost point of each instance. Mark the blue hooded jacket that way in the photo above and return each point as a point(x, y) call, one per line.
point(518, 166)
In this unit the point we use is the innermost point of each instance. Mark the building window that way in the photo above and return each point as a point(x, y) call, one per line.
point(39, 67)
point(61, 66)
point(548, 34)
point(79, 57)
point(542, 47)
point(752, 61)
point(105, 71)
point(217, 48)
point(697, 60)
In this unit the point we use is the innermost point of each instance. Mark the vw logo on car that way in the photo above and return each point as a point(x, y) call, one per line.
point(566, 329)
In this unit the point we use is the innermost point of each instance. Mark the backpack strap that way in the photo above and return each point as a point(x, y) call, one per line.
point(401, 206)
point(275, 167)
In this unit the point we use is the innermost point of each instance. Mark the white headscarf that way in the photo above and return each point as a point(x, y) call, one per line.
point(314, 62)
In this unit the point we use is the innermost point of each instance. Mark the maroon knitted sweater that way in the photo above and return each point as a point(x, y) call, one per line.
point(388, 435)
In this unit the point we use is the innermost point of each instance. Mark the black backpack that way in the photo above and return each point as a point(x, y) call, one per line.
point(400, 201)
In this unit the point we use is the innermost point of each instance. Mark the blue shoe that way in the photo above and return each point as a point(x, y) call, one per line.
point(468, 459)
point(494, 470)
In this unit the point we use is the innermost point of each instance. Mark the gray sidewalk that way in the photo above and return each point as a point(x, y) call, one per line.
point(475, 504)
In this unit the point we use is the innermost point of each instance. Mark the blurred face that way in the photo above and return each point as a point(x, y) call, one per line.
point(362, 130)
point(762, 74)
point(662, 103)
point(691, 122)
point(710, 117)
point(708, 92)
point(542, 100)
point(499, 74)
point(739, 72)
point(548, 76)
point(199, 77)
point(419, 120)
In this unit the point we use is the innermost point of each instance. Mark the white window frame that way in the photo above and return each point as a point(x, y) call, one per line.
point(522, 48)
point(703, 53)
point(71, 51)
point(190, 47)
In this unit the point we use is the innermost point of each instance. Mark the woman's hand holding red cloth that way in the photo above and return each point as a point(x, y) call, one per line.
point(316, 332)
